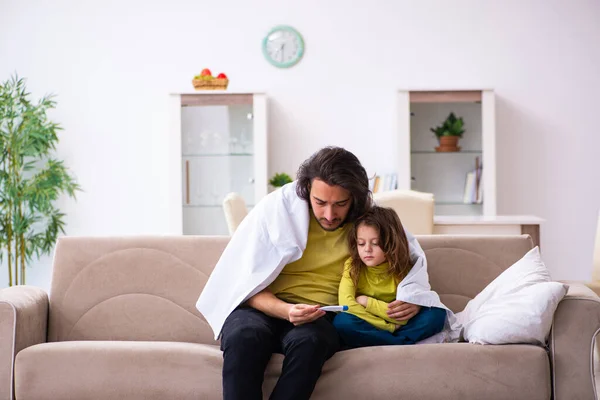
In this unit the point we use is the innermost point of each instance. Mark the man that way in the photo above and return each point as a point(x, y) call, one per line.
point(284, 315)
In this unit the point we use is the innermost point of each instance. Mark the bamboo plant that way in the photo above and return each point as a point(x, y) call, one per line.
point(31, 180)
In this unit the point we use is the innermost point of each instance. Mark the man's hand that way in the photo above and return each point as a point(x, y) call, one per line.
point(362, 300)
point(401, 311)
point(299, 314)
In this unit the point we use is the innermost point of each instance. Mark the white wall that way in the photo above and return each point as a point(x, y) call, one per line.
point(112, 64)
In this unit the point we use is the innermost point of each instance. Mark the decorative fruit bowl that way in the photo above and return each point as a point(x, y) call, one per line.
point(205, 81)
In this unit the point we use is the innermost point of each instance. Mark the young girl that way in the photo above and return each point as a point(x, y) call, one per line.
point(379, 260)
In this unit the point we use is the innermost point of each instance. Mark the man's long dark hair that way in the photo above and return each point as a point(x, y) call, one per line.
point(337, 167)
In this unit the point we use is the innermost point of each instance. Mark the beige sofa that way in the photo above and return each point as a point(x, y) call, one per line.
point(120, 323)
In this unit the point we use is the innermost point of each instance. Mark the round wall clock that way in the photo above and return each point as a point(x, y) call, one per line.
point(283, 46)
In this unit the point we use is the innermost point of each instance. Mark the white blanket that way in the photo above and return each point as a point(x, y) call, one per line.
point(273, 235)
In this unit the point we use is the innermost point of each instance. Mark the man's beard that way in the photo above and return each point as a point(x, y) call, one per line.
point(332, 227)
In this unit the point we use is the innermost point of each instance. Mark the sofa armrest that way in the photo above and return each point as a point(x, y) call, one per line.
point(576, 323)
point(23, 323)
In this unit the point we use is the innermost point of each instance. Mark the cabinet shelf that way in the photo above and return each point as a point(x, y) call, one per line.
point(456, 203)
point(218, 155)
point(202, 206)
point(209, 205)
point(453, 152)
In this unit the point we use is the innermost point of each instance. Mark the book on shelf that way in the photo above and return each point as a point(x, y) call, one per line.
point(376, 182)
point(469, 188)
point(383, 183)
point(480, 190)
point(473, 192)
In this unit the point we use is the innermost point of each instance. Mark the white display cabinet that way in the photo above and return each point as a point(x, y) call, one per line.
point(222, 147)
point(422, 168)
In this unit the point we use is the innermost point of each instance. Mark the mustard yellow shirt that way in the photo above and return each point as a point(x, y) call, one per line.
point(315, 277)
point(380, 289)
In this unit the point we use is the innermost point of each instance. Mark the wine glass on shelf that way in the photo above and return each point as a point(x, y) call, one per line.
point(233, 144)
point(245, 141)
point(204, 141)
point(216, 138)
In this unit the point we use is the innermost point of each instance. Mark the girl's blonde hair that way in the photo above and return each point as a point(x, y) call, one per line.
point(392, 241)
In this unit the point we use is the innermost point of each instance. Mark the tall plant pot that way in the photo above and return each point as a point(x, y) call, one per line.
point(448, 144)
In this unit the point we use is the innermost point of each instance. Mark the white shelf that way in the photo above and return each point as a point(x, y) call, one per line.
point(210, 205)
point(456, 203)
point(454, 153)
point(219, 155)
point(205, 92)
point(487, 220)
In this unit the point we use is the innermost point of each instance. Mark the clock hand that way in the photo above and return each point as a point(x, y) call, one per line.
point(277, 50)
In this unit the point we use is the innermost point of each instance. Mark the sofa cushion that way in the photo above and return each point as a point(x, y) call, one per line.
point(517, 307)
point(163, 370)
point(134, 288)
point(435, 371)
point(82, 370)
point(460, 267)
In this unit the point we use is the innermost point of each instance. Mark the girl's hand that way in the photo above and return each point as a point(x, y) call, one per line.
point(299, 314)
point(362, 300)
point(401, 311)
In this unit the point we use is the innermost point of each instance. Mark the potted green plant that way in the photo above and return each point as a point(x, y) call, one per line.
point(31, 180)
point(280, 179)
point(448, 133)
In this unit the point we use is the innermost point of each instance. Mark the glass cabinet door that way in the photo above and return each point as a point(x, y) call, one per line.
point(217, 153)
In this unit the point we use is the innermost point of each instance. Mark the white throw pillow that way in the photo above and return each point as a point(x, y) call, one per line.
point(517, 307)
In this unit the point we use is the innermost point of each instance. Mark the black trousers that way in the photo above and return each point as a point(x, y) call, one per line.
point(250, 337)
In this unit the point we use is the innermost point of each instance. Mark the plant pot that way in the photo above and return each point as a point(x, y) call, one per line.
point(448, 144)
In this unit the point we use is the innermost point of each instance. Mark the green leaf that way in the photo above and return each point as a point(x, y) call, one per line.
point(280, 179)
point(452, 126)
point(31, 180)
